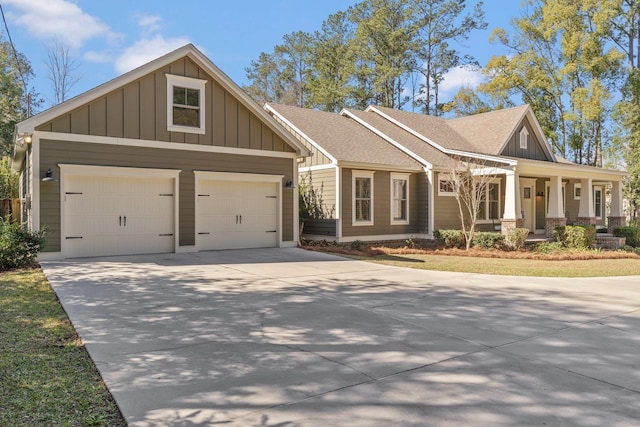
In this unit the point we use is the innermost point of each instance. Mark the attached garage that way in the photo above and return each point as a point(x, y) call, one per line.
point(117, 211)
point(237, 211)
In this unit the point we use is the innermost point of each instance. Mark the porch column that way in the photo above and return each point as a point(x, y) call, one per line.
point(586, 214)
point(616, 216)
point(512, 217)
point(555, 215)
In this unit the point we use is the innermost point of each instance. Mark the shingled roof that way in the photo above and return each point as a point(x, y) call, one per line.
point(344, 138)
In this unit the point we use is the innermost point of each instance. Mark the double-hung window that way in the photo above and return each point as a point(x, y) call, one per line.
point(597, 202)
point(185, 104)
point(490, 203)
point(362, 207)
point(399, 198)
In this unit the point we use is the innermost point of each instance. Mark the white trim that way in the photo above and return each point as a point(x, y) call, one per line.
point(529, 182)
point(528, 112)
point(404, 177)
point(94, 139)
point(377, 167)
point(444, 177)
point(89, 170)
point(35, 182)
point(186, 249)
point(243, 177)
point(486, 219)
point(317, 168)
point(431, 201)
point(577, 186)
point(267, 107)
point(387, 138)
point(189, 51)
point(602, 201)
point(296, 209)
point(339, 201)
point(361, 174)
point(370, 238)
point(189, 83)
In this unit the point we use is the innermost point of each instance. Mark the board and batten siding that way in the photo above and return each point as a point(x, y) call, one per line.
point(534, 149)
point(139, 111)
point(418, 210)
point(53, 153)
point(323, 182)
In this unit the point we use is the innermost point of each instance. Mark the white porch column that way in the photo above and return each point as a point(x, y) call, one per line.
point(555, 215)
point(616, 199)
point(616, 217)
point(512, 217)
point(512, 209)
point(556, 203)
point(586, 215)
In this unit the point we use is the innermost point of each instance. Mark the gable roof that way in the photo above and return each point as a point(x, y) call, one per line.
point(342, 138)
point(190, 51)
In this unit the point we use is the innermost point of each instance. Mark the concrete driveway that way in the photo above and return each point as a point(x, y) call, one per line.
point(285, 337)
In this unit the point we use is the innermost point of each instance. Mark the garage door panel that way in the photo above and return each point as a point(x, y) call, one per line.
point(236, 214)
point(118, 215)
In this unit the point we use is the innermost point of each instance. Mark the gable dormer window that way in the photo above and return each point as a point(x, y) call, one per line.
point(524, 138)
point(185, 104)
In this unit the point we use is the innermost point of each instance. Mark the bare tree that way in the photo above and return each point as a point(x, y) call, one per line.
point(62, 68)
point(469, 179)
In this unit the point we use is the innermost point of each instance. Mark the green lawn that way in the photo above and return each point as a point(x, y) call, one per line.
point(512, 267)
point(46, 375)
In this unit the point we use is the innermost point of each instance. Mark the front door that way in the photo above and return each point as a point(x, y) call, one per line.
point(527, 193)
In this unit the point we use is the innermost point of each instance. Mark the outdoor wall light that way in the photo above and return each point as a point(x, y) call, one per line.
point(540, 194)
point(28, 138)
point(48, 177)
point(289, 185)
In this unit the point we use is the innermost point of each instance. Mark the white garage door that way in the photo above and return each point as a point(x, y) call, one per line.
point(236, 215)
point(106, 215)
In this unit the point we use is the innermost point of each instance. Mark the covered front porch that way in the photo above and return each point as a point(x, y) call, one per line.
point(541, 196)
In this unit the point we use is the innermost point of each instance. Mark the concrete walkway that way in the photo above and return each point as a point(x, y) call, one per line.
point(285, 337)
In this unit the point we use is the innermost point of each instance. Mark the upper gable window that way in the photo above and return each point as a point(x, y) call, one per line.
point(524, 138)
point(185, 104)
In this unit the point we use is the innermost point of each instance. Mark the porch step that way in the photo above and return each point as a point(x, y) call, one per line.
point(608, 241)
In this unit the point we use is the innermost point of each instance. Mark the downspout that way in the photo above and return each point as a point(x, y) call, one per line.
point(430, 202)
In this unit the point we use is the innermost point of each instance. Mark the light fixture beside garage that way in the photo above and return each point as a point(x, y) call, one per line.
point(48, 177)
point(289, 185)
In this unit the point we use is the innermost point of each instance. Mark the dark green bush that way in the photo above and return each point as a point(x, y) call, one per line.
point(631, 233)
point(450, 238)
point(358, 245)
point(19, 247)
point(487, 240)
point(575, 236)
point(548, 247)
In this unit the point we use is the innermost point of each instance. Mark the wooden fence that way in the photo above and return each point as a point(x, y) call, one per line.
point(10, 208)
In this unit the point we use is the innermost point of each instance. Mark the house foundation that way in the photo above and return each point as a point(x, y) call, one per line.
point(509, 224)
point(586, 220)
point(552, 223)
point(616, 221)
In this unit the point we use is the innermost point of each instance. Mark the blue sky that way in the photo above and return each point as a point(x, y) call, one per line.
point(110, 37)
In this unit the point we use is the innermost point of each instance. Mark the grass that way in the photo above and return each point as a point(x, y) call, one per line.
point(586, 263)
point(46, 376)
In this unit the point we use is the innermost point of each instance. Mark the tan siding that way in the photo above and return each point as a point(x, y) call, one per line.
point(98, 117)
point(446, 211)
point(255, 141)
point(231, 121)
point(382, 206)
point(324, 183)
point(115, 112)
point(244, 128)
point(131, 107)
point(148, 107)
point(56, 152)
point(80, 120)
point(61, 124)
point(267, 138)
point(573, 206)
point(534, 148)
point(218, 115)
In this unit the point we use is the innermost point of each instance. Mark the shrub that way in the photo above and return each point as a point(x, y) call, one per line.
point(516, 237)
point(450, 238)
point(18, 246)
point(358, 245)
point(631, 233)
point(487, 240)
point(548, 247)
point(575, 236)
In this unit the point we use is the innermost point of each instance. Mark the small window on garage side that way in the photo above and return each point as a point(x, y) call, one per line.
point(399, 199)
point(362, 198)
point(185, 104)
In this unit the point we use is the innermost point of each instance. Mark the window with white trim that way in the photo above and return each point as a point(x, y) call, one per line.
point(362, 188)
point(445, 186)
point(577, 191)
point(185, 104)
point(490, 203)
point(399, 198)
point(524, 138)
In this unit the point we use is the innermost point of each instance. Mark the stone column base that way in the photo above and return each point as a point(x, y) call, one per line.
point(510, 224)
point(585, 220)
point(551, 223)
point(616, 221)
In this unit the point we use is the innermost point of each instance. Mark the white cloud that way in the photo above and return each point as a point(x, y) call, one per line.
point(146, 50)
point(50, 18)
point(98, 57)
point(460, 77)
point(150, 23)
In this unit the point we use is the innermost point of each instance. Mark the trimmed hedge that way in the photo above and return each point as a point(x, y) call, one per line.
point(19, 247)
point(575, 236)
point(487, 240)
point(450, 238)
point(631, 233)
